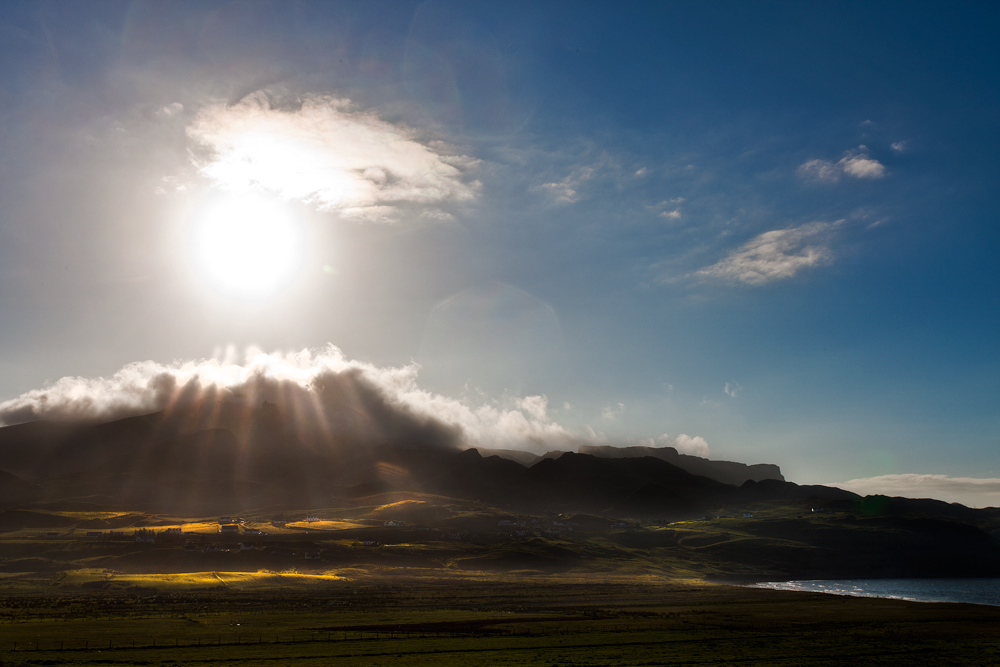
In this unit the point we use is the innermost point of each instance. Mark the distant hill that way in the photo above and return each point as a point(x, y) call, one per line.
point(227, 460)
point(727, 472)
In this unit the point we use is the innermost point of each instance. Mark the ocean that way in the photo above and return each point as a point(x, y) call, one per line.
point(975, 591)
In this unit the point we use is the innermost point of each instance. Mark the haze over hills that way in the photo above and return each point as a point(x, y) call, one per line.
point(264, 457)
point(728, 472)
point(236, 457)
point(265, 461)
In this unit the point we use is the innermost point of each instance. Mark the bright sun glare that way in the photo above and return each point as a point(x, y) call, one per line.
point(247, 247)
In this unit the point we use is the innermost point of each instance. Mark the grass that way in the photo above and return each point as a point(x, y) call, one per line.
point(450, 586)
point(495, 620)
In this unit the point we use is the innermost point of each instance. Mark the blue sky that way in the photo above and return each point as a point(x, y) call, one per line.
point(770, 226)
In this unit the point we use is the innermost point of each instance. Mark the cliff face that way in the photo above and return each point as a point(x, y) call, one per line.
point(727, 472)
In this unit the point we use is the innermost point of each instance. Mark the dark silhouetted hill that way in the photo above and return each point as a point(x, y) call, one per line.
point(727, 472)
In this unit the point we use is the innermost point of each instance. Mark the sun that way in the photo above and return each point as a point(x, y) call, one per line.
point(248, 247)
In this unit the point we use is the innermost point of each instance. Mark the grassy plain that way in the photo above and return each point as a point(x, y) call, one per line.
point(405, 619)
point(453, 583)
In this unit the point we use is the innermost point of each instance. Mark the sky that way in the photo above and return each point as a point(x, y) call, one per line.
point(755, 231)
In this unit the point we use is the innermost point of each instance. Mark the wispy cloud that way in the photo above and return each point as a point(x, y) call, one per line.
point(611, 412)
point(668, 208)
point(566, 191)
point(855, 164)
point(970, 491)
point(733, 388)
point(326, 153)
point(774, 255)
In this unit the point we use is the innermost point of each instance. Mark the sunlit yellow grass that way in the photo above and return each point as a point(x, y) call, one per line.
point(83, 516)
point(332, 524)
point(261, 578)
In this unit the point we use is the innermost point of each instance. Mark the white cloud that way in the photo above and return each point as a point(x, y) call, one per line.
point(733, 388)
point(535, 406)
point(900, 146)
point(171, 110)
point(820, 170)
point(671, 215)
point(683, 443)
point(611, 412)
point(641, 172)
point(855, 163)
point(328, 154)
point(566, 190)
point(326, 392)
point(774, 255)
point(693, 445)
point(970, 491)
point(862, 166)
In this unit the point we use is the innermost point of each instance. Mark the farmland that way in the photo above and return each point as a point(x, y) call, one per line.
point(423, 580)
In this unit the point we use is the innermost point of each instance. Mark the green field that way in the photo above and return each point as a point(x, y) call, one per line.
point(500, 620)
point(423, 580)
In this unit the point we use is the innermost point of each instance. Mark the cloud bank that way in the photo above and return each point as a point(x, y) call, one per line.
point(325, 153)
point(855, 164)
point(970, 491)
point(774, 255)
point(324, 392)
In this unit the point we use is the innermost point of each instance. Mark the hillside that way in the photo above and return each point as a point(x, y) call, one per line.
point(454, 509)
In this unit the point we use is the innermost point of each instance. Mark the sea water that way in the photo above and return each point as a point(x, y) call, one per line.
point(975, 591)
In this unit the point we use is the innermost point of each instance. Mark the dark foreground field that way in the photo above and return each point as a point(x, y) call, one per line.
point(503, 620)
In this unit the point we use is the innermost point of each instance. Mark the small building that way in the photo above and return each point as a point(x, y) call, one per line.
point(368, 543)
point(312, 555)
point(94, 533)
point(279, 523)
point(748, 515)
point(253, 531)
point(174, 531)
point(248, 546)
point(226, 519)
point(391, 524)
point(230, 529)
point(143, 535)
point(312, 518)
point(52, 534)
